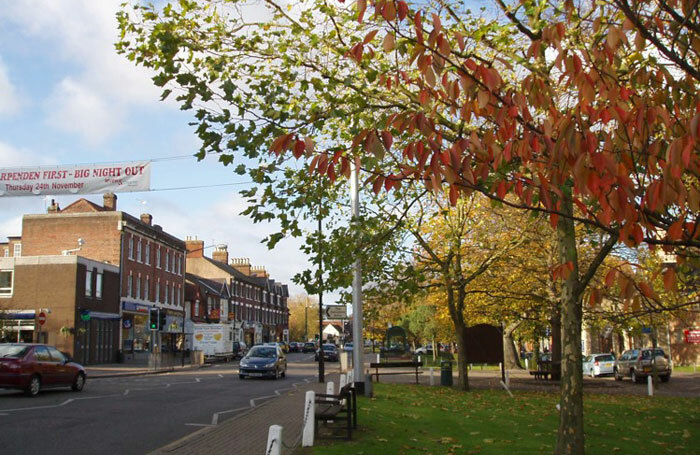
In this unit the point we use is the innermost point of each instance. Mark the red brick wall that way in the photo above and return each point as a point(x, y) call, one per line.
point(51, 234)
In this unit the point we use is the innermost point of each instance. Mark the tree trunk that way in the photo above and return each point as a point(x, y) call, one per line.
point(556, 342)
point(570, 438)
point(462, 366)
point(511, 357)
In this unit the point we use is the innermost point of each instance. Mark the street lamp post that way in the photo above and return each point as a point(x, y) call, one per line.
point(321, 372)
point(357, 352)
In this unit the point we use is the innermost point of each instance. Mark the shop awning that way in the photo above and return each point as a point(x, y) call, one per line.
point(22, 314)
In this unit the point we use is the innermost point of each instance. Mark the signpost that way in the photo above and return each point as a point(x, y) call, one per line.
point(335, 312)
point(42, 318)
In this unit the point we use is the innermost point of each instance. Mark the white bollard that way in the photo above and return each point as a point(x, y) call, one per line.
point(650, 386)
point(500, 365)
point(307, 437)
point(432, 377)
point(330, 388)
point(351, 377)
point(274, 440)
point(527, 366)
point(377, 358)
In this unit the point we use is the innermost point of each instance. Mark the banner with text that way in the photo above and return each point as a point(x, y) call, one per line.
point(78, 179)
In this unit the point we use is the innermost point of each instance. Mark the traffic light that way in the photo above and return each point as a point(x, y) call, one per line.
point(153, 319)
point(161, 320)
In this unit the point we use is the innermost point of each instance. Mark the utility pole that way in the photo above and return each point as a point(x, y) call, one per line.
point(321, 372)
point(357, 352)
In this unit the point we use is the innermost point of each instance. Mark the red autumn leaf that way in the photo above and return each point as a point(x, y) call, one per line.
point(594, 298)
point(419, 27)
point(299, 147)
point(610, 278)
point(647, 290)
point(387, 139)
point(361, 8)
point(370, 36)
point(377, 185)
point(389, 10)
point(670, 279)
point(675, 232)
point(501, 189)
point(454, 195)
point(402, 9)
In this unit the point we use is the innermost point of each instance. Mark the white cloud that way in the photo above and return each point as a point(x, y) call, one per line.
point(9, 97)
point(77, 108)
point(11, 156)
point(83, 33)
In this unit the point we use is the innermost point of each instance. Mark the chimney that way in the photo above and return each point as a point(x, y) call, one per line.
point(110, 202)
point(259, 272)
point(242, 265)
point(147, 218)
point(220, 254)
point(195, 248)
point(53, 208)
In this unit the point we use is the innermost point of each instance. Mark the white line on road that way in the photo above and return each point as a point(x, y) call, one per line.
point(221, 375)
point(252, 402)
point(126, 392)
point(198, 424)
point(70, 400)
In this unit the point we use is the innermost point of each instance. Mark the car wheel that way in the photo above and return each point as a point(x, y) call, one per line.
point(618, 376)
point(665, 378)
point(34, 386)
point(78, 383)
point(241, 376)
point(284, 373)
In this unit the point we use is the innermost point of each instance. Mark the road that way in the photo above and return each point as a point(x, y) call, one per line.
point(138, 414)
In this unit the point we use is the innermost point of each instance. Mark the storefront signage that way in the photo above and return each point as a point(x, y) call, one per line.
point(83, 179)
point(692, 335)
point(214, 314)
point(138, 307)
point(126, 323)
point(85, 315)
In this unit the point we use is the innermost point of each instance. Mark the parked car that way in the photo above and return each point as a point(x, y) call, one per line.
point(239, 349)
point(330, 353)
point(309, 347)
point(347, 347)
point(279, 344)
point(33, 367)
point(638, 364)
point(294, 346)
point(598, 364)
point(266, 360)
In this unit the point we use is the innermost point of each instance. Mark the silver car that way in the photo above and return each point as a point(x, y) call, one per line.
point(639, 363)
point(599, 365)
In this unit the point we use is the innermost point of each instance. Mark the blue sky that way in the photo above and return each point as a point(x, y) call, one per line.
point(66, 97)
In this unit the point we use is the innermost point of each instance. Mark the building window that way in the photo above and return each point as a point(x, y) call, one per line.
point(148, 253)
point(129, 286)
point(172, 264)
point(138, 287)
point(7, 252)
point(88, 283)
point(158, 257)
point(172, 295)
point(138, 251)
point(131, 248)
point(147, 288)
point(5, 282)
point(158, 291)
point(98, 285)
point(167, 261)
point(18, 250)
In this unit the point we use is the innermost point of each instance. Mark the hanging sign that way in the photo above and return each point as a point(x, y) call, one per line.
point(75, 179)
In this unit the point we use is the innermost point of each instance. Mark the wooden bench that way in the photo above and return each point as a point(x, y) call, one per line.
point(343, 405)
point(406, 364)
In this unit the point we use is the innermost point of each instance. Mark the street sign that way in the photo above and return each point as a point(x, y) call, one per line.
point(42, 318)
point(85, 315)
point(336, 312)
point(646, 330)
point(692, 335)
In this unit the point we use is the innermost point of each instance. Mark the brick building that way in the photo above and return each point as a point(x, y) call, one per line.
point(151, 263)
point(258, 310)
point(67, 289)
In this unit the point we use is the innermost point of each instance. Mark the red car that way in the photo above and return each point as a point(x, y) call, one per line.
point(32, 367)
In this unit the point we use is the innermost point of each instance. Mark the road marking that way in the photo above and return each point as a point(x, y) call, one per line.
point(70, 400)
point(221, 375)
point(126, 392)
point(252, 402)
point(199, 424)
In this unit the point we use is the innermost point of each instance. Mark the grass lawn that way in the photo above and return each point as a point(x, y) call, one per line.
point(409, 419)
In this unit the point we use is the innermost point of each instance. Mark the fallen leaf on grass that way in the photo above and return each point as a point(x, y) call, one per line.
point(686, 434)
point(488, 441)
point(474, 433)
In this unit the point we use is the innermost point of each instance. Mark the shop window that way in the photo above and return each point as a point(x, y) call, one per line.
point(98, 285)
point(88, 283)
point(6, 282)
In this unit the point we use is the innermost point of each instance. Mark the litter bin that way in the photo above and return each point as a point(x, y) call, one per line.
point(446, 373)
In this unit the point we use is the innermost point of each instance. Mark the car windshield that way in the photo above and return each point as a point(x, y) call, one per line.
point(13, 350)
point(267, 352)
point(328, 347)
point(348, 345)
point(310, 344)
point(605, 358)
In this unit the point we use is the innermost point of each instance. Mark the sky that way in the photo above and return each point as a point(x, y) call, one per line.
point(67, 97)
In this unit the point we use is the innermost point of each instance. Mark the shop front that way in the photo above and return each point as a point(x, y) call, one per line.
point(17, 326)
point(136, 334)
